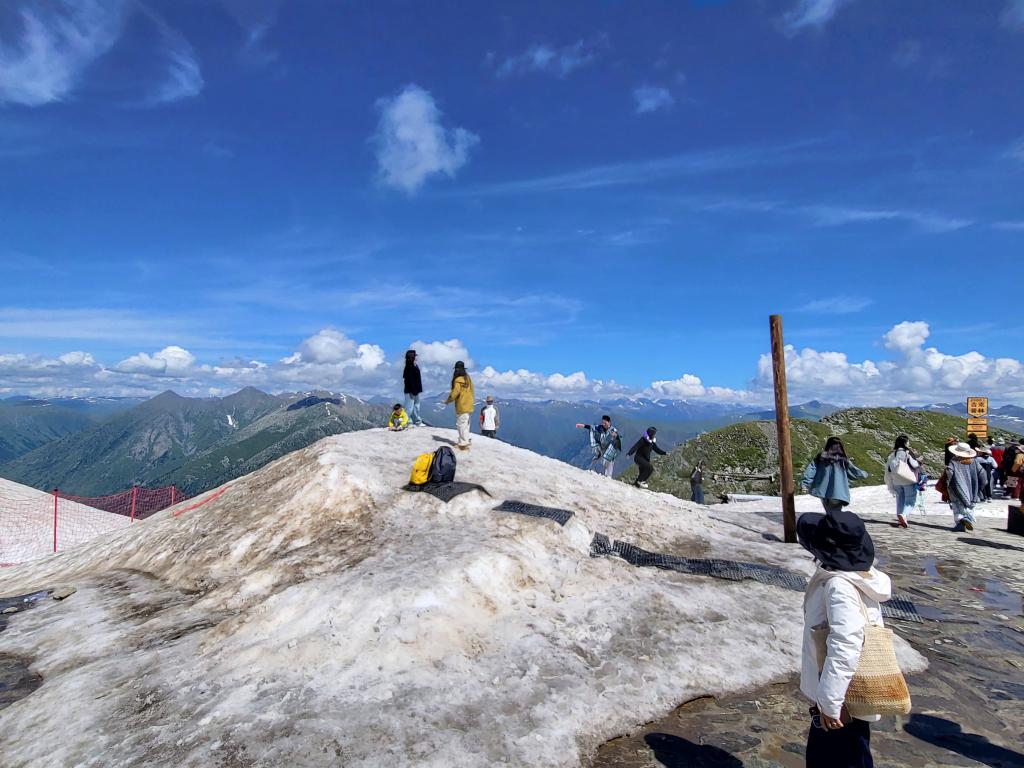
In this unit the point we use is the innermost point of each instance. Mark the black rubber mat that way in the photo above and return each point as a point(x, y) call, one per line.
point(446, 491)
point(560, 516)
point(896, 607)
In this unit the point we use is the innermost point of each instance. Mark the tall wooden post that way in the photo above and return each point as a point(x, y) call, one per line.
point(782, 425)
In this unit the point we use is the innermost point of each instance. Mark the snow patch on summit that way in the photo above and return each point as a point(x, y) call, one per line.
point(315, 613)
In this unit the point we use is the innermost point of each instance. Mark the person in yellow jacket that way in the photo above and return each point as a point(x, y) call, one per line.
point(399, 418)
point(462, 396)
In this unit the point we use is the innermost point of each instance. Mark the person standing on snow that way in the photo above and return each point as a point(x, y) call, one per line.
point(611, 453)
point(413, 387)
point(462, 396)
point(844, 594)
point(599, 438)
point(902, 470)
point(490, 420)
point(962, 484)
point(829, 474)
point(697, 483)
point(641, 452)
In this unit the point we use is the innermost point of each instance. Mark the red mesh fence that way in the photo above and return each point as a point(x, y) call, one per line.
point(34, 523)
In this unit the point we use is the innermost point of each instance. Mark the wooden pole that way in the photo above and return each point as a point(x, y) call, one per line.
point(782, 425)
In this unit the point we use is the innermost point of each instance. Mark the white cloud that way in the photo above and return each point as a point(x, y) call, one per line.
point(651, 98)
point(918, 374)
point(545, 58)
point(171, 361)
point(57, 42)
point(441, 353)
point(332, 347)
point(811, 13)
point(835, 215)
point(686, 385)
point(913, 373)
point(907, 336)
point(411, 143)
point(1013, 15)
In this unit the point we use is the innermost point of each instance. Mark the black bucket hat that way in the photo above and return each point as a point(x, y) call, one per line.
point(838, 540)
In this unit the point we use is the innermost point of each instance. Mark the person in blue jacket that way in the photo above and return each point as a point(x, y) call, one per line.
point(829, 474)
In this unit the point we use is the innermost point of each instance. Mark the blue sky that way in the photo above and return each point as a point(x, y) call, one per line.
point(581, 198)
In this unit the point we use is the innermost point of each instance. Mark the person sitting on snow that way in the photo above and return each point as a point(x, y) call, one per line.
point(399, 418)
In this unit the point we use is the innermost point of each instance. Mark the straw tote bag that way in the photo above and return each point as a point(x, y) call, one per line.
point(878, 686)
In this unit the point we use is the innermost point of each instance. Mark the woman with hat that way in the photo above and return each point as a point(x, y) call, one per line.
point(462, 396)
point(843, 595)
point(962, 484)
point(829, 474)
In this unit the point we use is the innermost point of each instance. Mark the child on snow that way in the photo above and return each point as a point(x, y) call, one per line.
point(399, 419)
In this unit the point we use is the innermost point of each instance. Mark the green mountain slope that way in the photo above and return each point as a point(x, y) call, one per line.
point(27, 424)
point(743, 458)
point(193, 443)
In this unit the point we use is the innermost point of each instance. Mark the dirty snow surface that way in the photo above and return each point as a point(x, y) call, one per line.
point(26, 523)
point(315, 614)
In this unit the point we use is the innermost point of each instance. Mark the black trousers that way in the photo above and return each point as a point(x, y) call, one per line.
point(489, 432)
point(848, 747)
point(646, 469)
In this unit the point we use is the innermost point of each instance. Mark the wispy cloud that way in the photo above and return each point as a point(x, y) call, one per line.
point(55, 45)
point(825, 215)
point(1009, 226)
point(833, 215)
point(655, 169)
point(183, 78)
point(412, 144)
point(810, 14)
point(1013, 15)
point(651, 98)
point(1016, 150)
point(837, 305)
point(545, 58)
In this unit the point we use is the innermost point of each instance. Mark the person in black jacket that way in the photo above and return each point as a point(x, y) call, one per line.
point(641, 452)
point(413, 388)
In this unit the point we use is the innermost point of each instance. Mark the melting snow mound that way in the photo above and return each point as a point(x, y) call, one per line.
point(315, 614)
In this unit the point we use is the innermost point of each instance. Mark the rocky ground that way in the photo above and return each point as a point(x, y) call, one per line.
point(968, 707)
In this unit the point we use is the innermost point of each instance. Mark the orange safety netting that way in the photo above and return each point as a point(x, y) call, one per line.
point(35, 523)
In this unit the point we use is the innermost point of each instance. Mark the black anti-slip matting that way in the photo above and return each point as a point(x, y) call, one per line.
point(895, 608)
point(446, 491)
point(560, 516)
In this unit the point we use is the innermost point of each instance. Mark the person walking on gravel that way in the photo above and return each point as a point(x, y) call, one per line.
point(962, 484)
point(641, 452)
point(462, 396)
point(828, 475)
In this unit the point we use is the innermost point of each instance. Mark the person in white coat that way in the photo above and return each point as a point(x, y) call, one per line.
point(843, 594)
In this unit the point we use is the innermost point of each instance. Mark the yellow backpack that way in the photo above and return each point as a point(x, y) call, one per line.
point(421, 469)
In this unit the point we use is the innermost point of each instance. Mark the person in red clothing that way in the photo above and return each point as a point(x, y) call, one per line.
point(997, 447)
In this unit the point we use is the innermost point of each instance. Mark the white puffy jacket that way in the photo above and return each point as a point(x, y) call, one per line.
point(833, 598)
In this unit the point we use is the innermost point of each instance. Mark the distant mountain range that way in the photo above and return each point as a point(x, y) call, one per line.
point(95, 446)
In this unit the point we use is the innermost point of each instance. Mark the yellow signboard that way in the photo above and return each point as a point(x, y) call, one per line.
point(977, 406)
point(979, 423)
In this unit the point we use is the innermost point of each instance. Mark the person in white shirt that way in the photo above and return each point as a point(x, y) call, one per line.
point(844, 594)
point(490, 420)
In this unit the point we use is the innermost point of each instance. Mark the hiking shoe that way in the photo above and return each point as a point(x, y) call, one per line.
point(959, 527)
point(641, 485)
point(901, 521)
point(967, 524)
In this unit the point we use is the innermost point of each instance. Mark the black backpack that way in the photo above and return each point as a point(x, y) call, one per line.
point(442, 469)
